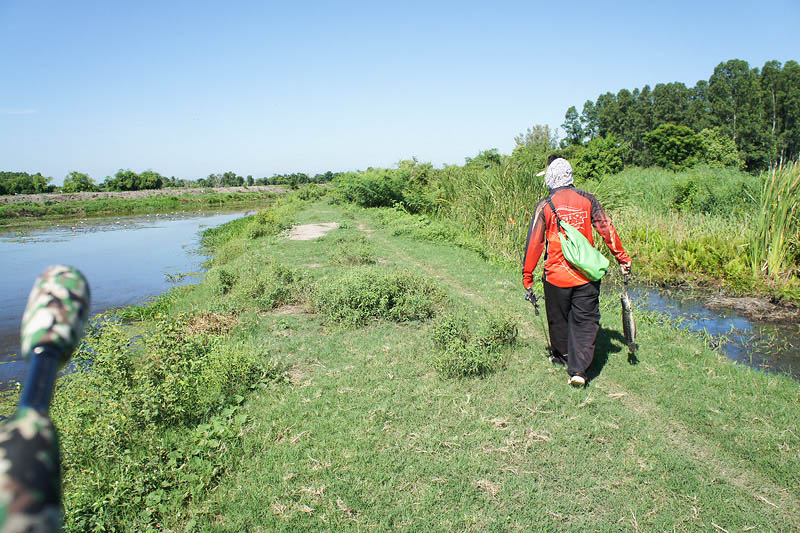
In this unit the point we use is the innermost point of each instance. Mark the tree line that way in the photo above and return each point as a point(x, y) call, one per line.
point(754, 111)
point(128, 180)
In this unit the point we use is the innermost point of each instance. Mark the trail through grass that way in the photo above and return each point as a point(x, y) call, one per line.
point(363, 434)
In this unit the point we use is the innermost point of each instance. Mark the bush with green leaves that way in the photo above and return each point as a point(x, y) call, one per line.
point(600, 157)
point(365, 293)
point(350, 248)
point(145, 421)
point(467, 345)
point(268, 286)
point(312, 192)
point(371, 188)
point(222, 281)
point(674, 147)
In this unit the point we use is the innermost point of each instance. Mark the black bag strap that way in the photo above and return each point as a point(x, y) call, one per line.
point(558, 218)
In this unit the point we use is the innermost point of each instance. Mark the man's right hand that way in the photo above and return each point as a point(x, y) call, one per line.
point(625, 268)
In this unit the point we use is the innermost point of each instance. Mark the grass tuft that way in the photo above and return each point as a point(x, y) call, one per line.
point(367, 293)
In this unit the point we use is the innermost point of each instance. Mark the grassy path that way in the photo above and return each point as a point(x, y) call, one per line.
point(363, 434)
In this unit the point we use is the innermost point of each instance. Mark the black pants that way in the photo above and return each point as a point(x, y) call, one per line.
point(573, 316)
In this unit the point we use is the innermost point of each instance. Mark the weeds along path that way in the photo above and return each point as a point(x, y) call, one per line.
point(727, 464)
point(364, 435)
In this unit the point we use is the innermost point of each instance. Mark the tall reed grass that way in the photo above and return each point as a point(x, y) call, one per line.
point(775, 237)
point(494, 203)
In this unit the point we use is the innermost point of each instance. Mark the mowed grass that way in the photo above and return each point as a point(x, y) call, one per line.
point(363, 434)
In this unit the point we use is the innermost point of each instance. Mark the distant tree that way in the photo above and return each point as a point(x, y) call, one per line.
point(789, 146)
point(24, 183)
point(539, 135)
point(230, 179)
point(699, 112)
point(599, 157)
point(671, 104)
point(78, 182)
point(734, 94)
point(674, 147)
point(589, 120)
point(485, 159)
point(718, 150)
point(572, 128)
point(123, 180)
point(150, 180)
point(250, 181)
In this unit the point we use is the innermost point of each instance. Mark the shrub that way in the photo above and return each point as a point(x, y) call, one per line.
point(144, 422)
point(312, 192)
point(365, 293)
point(222, 281)
point(469, 348)
point(352, 249)
point(372, 188)
point(674, 147)
point(270, 286)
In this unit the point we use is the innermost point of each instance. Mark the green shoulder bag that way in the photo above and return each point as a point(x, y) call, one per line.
point(579, 251)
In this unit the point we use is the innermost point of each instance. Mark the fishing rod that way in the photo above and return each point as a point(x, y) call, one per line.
point(529, 294)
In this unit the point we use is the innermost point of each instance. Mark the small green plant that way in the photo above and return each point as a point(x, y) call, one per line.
point(367, 293)
point(145, 422)
point(269, 286)
point(469, 347)
point(352, 249)
point(222, 281)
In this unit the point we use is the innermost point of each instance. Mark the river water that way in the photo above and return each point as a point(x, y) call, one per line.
point(125, 259)
point(770, 346)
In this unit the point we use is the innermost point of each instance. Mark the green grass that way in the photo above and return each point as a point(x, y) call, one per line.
point(355, 428)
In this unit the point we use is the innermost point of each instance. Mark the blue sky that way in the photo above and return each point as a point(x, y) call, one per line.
point(191, 88)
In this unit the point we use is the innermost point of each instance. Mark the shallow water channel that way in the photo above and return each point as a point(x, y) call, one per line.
point(770, 346)
point(125, 259)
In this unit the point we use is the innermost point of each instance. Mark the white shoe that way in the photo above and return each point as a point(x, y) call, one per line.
point(577, 381)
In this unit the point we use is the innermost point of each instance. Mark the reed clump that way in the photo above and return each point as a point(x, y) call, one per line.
point(775, 244)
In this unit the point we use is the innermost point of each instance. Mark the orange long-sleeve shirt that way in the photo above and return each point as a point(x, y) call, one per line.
point(579, 209)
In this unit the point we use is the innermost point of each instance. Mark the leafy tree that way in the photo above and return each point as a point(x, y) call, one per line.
point(24, 183)
point(230, 179)
point(718, 150)
point(599, 157)
point(250, 181)
point(734, 96)
point(572, 128)
point(78, 182)
point(486, 159)
point(149, 180)
point(539, 135)
point(699, 112)
point(607, 113)
point(589, 120)
point(789, 140)
point(674, 147)
point(671, 104)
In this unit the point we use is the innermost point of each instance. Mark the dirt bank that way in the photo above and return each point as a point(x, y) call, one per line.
point(56, 197)
point(755, 308)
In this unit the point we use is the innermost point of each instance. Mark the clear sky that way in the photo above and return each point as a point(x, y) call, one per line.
point(190, 88)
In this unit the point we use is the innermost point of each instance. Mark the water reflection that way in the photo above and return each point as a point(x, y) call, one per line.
point(125, 259)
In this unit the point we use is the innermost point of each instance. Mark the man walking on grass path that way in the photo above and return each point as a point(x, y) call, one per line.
point(572, 301)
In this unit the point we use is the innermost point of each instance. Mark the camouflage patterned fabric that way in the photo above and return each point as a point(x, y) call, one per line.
point(30, 476)
point(30, 484)
point(57, 310)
